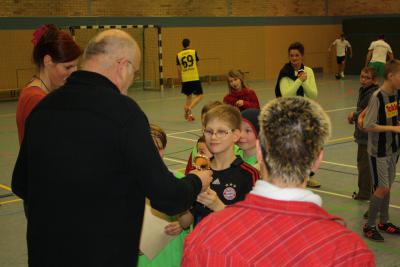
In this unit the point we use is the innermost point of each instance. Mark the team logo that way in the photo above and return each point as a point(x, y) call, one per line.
point(229, 193)
point(391, 109)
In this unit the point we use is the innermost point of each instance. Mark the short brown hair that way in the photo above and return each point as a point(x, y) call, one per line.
point(226, 113)
point(371, 71)
point(392, 66)
point(157, 133)
point(293, 131)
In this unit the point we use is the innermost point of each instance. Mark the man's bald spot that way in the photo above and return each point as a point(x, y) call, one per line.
point(113, 44)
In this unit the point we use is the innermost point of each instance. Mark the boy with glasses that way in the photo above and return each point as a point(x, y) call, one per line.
point(232, 177)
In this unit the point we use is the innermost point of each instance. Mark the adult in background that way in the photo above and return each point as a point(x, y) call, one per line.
point(378, 52)
point(186, 61)
point(342, 46)
point(280, 223)
point(297, 79)
point(55, 55)
point(87, 162)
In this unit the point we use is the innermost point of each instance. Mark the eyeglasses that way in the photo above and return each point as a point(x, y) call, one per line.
point(218, 133)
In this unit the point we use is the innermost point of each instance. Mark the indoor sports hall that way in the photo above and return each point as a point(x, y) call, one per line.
point(252, 36)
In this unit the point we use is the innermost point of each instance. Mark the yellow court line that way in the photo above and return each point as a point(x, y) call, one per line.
point(5, 187)
point(339, 109)
point(10, 201)
point(340, 139)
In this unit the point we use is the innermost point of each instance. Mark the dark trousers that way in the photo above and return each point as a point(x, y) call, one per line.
point(364, 173)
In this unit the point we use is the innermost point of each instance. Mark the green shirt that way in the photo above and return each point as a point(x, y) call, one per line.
point(171, 255)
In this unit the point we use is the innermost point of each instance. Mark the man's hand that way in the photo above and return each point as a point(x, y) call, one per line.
point(210, 199)
point(174, 228)
point(205, 177)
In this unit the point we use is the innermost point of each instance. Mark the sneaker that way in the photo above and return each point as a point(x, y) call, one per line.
point(366, 214)
point(389, 228)
point(338, 76)
point(190, 117)
point(187, 112)
point(342, 74)
point(313, 183)
point(372, 233)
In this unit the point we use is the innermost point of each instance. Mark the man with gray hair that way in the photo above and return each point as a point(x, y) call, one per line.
point(88, 161)
point(280, 223)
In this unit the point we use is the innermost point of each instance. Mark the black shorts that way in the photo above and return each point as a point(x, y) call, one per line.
point(339, 60)
point(192, 87)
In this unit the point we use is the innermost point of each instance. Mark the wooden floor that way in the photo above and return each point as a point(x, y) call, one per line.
point(338, 173)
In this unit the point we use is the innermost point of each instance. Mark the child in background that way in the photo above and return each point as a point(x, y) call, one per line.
point(171, 255)
point(368, 86)
point(232, 177)
point(382, 124)
point(240, 95)
point(249, 135)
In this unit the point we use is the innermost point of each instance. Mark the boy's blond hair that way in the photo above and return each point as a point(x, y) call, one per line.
point(293, 131)
point(392, 66)
point(225, 113)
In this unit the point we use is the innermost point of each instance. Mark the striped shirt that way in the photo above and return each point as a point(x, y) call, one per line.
point(261, 231)
point(382, 110)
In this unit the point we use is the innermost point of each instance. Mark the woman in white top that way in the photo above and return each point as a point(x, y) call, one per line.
point(295, 78)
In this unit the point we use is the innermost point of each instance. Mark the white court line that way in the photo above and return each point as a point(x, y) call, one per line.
point(344, 196)
point(183, 138)
point(175, 160)
point(316, 190)
point(346, 165)
point(339, 109)
point(190, 131)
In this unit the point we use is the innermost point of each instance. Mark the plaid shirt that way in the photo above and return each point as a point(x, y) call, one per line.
point(260, 231)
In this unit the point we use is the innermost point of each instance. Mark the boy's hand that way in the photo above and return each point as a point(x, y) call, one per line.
point(210, 199)
point(174, 228)
point(360, 120)
point(350, 118)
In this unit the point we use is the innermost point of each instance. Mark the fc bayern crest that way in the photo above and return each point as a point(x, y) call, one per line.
point(229, 193)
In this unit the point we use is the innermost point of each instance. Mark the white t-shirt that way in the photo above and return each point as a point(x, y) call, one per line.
point(341, 47)
point(380, 50)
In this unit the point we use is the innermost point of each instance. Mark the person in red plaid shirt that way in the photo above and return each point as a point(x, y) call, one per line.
point(280, 223)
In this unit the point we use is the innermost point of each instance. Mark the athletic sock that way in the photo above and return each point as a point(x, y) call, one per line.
point(384, 212)
point(374, 207)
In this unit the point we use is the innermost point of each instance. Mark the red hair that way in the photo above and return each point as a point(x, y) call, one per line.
point(49, 40)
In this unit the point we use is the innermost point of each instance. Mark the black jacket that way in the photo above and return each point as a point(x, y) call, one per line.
point(86, 164)
point(287, 71)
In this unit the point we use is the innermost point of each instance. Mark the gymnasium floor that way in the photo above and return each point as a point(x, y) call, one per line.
point(338, 173)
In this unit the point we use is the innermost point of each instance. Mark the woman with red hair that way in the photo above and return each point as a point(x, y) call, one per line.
point(55, 55)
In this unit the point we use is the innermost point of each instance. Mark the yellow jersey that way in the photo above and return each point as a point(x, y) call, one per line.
point(187, 60)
